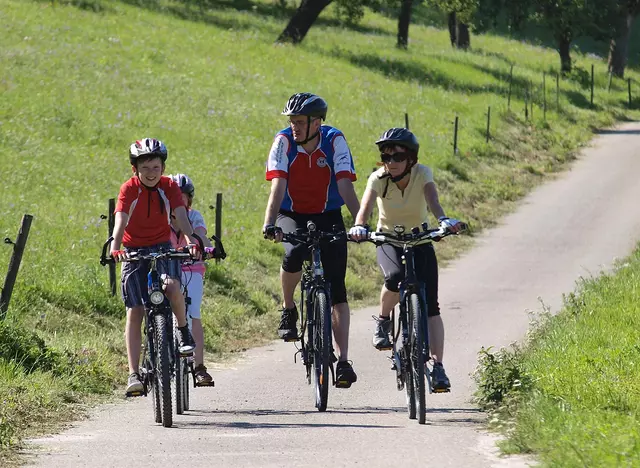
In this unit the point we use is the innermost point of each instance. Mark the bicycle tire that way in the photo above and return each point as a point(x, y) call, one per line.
point(185, 393)
point(407, 371)
point(418, 357)
point(162, 369)
point(178, 382)
point(322, 348)
point(152, 382)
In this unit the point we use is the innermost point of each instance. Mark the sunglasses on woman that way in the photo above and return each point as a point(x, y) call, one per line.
point(395, 157)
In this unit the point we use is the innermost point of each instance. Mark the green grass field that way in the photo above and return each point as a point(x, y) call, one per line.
point(79, 84)
point(572, 394)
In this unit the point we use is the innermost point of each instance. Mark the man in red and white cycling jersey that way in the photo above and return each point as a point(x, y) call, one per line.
point(312, 173)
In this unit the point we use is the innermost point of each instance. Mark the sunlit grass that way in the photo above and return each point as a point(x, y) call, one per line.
point(79, 85)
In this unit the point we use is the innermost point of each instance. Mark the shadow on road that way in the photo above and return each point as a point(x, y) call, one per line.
point(617, 132)
point(436, 417)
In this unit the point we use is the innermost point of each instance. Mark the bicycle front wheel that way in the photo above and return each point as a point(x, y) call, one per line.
point(162, 371)
point(405, 361)
point(322, 348)
point(418, 357)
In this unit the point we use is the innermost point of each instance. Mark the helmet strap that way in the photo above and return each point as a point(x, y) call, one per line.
point(309, 138)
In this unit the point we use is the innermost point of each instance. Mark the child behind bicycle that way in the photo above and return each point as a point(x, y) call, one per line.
point(193, 275)
point(142, 223)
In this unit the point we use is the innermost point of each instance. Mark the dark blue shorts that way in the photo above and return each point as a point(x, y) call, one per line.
point(134, 275)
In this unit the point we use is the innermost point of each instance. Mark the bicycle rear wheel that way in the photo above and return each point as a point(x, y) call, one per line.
point(162, 372)
point(151, 377)
point(322, 348)
point(418, 357)
point(178, 380)
point(185, 392)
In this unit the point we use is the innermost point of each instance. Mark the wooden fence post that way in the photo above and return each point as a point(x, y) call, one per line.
point(218, 218)
point(111, 223)
point(14, 264)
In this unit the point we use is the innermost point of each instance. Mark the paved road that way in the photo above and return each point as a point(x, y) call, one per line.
point(261, 413)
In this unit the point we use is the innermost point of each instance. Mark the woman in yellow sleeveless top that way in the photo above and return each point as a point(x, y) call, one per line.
point(404, 191)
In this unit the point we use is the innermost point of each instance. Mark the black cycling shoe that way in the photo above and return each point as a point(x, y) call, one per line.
point(381, 339)
point(345, 375)
point(287, 329)
point(186, 345)
point(439, 379)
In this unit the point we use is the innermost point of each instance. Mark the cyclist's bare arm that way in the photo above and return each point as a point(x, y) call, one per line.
point(182, 221)
point(348, 194)
point(121, 220)
point(366, 207)
point(432, 199)
point(278, 188)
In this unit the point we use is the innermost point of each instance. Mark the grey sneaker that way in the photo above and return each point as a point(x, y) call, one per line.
point(134, 384)
point(439, 379)
point(381, 339)
point(287, 329)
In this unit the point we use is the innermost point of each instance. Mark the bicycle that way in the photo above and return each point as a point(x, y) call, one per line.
point(159, 349)
point(410, 354)
point(184, 364)
point(317, 351)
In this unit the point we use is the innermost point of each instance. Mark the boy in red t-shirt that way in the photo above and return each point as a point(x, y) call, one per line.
point(142, 222)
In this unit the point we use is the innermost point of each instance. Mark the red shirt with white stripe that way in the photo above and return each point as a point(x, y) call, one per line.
point(149, 210)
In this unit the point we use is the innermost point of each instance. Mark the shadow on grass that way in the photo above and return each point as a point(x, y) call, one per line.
point(203, 11)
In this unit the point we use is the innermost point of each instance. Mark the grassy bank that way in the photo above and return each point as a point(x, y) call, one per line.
point(79, 84)
point(571, 395)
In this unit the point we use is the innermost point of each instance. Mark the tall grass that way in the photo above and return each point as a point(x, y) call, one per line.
point(82, 79)
point(572, 394)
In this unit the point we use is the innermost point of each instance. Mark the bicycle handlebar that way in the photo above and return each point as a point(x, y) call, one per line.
point(414, 236)
point(312, 234)
point(176, 254)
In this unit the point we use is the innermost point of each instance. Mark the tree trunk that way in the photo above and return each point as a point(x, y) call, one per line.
point(452, 28)
point(463, 40)
point(619, 48)
point(302, 20)
point(403, 24)
point(564, 48)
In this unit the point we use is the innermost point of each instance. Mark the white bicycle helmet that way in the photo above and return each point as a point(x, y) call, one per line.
point(185, 184)
point(145, 148)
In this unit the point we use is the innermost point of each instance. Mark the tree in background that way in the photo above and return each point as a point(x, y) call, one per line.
point(460, 16)
point(302, 20)
point(628, 10)
point(569, 19)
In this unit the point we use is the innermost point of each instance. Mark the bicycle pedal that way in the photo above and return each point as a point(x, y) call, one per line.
point(185, 355)
point(441, 390)
point(206, 384)
point(343, 384)
point(385, 348)
point(134, 394)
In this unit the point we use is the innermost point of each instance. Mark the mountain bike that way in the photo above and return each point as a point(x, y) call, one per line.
point(159, 348)
point(315, 313)
point(410, 355)
point(184, 364)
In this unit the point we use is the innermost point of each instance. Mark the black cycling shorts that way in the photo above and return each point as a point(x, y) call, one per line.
point(426, 265)
point(333, 255)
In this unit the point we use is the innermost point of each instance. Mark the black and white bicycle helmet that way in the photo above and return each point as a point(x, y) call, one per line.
point(306, 104)
point(147, 148)
point(185, 184)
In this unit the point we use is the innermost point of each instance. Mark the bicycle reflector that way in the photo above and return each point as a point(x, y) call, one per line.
point(156, 297)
